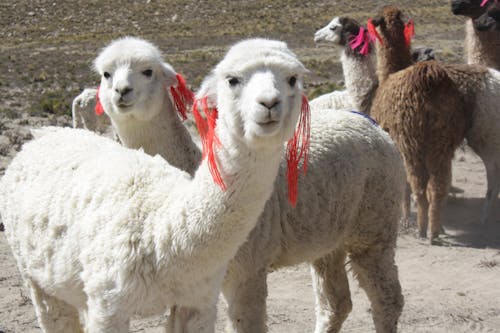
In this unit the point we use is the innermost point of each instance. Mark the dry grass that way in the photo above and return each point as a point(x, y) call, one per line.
point(46, 47)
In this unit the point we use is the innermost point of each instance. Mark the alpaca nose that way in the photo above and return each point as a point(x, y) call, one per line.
point(269, 104)
point(123, 91)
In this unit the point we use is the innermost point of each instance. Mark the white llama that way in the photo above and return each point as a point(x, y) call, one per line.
point(105, 232)
point(144, 96)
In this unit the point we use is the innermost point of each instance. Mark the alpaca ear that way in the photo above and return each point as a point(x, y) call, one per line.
point(208, 90)
point(169, 75)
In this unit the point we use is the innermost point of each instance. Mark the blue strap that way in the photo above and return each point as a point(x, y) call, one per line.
point(367, 117)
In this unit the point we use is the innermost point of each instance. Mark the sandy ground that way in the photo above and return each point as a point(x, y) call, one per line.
point(450, 288)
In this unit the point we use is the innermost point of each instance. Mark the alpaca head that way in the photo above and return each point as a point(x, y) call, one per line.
point(490, 20)
point(390, 27)
point(346, 32)
point(470, 8)
point(257, 89)
point(422, 54)
point(134, 79)
point(256, 94)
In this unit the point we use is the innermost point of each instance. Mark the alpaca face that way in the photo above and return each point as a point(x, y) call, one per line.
point(340, 30)
point(332, 32)
point(258, 91)
point(490, 20)
point(391, 25)
point(469, 8)
point(134, 80)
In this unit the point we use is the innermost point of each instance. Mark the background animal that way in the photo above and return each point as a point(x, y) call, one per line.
point(144, 97)
point(408, 104)
point(482, 46)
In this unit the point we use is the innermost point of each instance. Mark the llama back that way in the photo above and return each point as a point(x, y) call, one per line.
point(423, 113)
point(98, 203)
point(361, 162)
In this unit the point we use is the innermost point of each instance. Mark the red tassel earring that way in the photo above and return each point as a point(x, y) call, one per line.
point(362, 38)
point(409, 32)
point(206, 129)
point(181, 96)
point(297, 150)
point(99, 110)
point(372, 30)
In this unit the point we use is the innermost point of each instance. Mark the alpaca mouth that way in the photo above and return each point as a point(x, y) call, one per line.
point(268, 122)
point(268, 126)
point(122, 105)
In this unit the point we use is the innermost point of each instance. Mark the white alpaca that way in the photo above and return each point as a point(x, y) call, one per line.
point(84, 115)
point(136, 93)
point(481, 46)
point(349, 204)
point(358, 68)
point(105, 232)
point(481, 88)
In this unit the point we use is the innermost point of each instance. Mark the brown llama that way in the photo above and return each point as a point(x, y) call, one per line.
point(423, 111)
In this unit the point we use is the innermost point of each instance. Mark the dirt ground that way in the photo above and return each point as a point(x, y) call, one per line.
point(46, 49)
point(452, 288)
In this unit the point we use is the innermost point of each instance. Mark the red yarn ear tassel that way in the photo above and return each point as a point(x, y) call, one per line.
point(372, 30)
point(297, 150)
point(206, 129)
point(409, 32)
point(181, 96)
point(361, 39)
point(99, 110)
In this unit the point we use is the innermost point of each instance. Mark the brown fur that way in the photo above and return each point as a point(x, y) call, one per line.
point(424, 112)
point(394, 55)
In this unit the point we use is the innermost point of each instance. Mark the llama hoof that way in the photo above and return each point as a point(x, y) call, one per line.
point(436, 240)
point(2, 227)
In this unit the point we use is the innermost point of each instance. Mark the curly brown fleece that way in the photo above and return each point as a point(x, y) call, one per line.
point(424, 112)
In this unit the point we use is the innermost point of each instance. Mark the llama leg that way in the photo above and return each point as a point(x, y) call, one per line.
point(331, 288)
point(437, 190)
point(191, 320)
point(377, 274)
point(54, 315)
point(100, 318)
point(492, 176)
point(246, 299)
point(418, 187)
point(407, 206)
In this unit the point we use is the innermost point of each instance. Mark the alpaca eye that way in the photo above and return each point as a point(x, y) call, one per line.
point(148, 72)
point(233, 81)
point(107, 75)
point(333, 28)
point(292, 80)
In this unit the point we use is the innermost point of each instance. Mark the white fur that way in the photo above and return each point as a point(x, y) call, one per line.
point(106, 232)
point(144, 117)
point(484, 137)
point(349, 203)
point(359, 74)
point(83, 112)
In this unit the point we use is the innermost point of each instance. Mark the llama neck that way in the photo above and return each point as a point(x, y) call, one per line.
point(164, 135)
point(219, 221)
point(482, 47)
point(391, 59)
point(360, 79)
